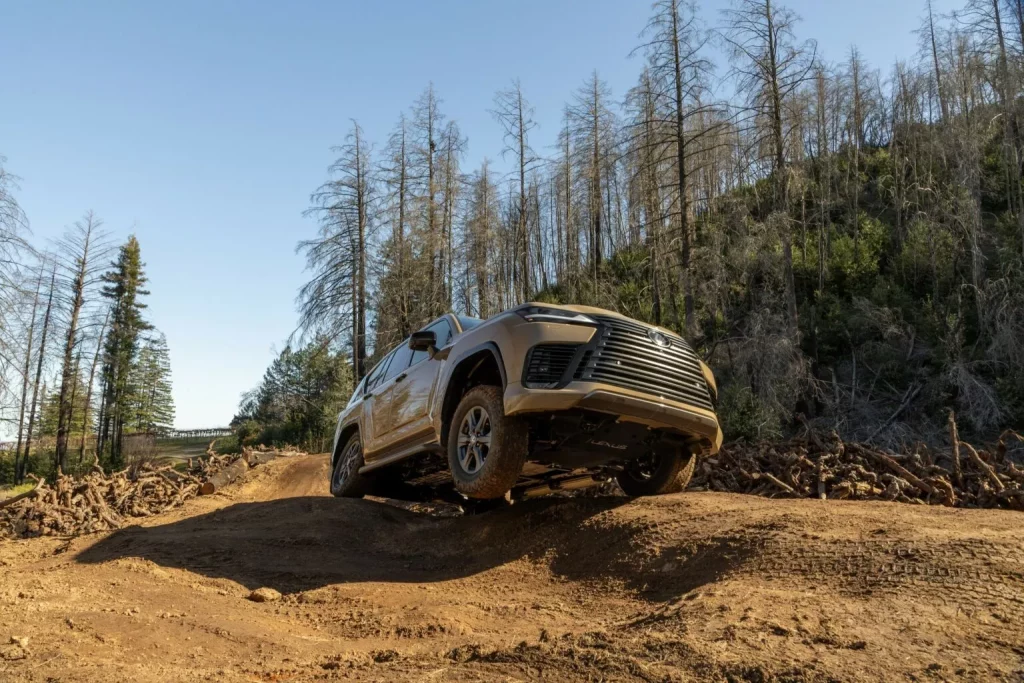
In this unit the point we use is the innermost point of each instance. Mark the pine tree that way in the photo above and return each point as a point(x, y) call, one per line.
point(124, 287)
point(149, 400)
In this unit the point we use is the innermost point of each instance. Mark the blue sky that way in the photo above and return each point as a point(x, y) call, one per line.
point(203, 127)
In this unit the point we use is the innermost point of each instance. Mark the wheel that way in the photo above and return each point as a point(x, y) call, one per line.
point(666, 470)
point(346, 482)
point(486, 449)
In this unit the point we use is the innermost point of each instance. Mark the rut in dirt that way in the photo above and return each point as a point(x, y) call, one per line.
point(660, 548)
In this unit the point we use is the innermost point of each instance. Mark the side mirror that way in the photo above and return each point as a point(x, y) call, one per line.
point(423, 341)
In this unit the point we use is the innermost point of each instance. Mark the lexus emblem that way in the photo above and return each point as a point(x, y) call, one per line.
point(658, 338)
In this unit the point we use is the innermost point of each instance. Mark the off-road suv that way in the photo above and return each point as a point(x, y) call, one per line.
point(536, 399)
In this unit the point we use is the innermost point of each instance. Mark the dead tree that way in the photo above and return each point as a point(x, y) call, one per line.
point(770, 67)
point(20, 473)
point(515, 115)
point(83, 248)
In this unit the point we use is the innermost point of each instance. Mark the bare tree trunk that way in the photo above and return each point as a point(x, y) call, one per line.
point(449, 199)
point(65, 409)
point(359, 305)
point(595, 191)
point(523, 231)
point(681, 179)
point(26, 373)
point(539, 238)
point(943, 106)
point(781, 171)
point(404, 324)
point(20, 475)
point(572, 239)
point(71, 404)
point(431, 204)
point(88, 391)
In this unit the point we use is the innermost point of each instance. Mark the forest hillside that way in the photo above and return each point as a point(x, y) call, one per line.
point(840, 240)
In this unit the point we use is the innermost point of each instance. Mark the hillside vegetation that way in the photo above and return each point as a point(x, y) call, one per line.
point(840, 240)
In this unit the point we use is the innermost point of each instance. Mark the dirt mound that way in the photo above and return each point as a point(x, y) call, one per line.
point(696, 586)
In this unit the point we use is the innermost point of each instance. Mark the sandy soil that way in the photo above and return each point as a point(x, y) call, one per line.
point(688, 587)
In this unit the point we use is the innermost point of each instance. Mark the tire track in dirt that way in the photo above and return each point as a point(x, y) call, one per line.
point(686, 587)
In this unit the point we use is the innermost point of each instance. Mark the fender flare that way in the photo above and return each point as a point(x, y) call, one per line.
point(344, 432)
point(472, 351)
point(463, 357)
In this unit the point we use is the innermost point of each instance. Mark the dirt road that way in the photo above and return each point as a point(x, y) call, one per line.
point(688, 587)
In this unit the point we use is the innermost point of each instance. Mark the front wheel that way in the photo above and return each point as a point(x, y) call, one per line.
point(486, 448)
point(666, 470)
point(346, 482)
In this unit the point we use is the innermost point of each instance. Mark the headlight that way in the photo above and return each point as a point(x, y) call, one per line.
point(542, 314)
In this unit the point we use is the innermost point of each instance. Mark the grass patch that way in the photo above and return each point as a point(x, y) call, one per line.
point(225, 445)
point(11, 491)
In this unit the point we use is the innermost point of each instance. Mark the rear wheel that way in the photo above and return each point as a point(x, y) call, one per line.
point(346, 482)
point(486, 449)
point(664, 470)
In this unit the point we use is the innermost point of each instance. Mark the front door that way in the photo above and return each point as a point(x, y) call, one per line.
point(412, 395)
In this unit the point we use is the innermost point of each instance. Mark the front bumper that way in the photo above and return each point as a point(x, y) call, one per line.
point(627, 405)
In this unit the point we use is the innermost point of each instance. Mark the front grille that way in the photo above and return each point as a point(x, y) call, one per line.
point(547, 363)
point(625, 356)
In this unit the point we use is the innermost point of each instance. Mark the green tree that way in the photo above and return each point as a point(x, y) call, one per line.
point(300, 396)
point(151, 405)
point(124, 286)
point(49, 417)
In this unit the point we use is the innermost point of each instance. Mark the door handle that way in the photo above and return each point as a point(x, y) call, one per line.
point(400, 378)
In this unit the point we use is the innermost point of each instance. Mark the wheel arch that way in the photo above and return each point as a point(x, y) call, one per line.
point(481, 364)
point(343, 436)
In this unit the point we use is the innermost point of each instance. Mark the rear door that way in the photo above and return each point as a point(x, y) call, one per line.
point(376, 407)
point(410, 400)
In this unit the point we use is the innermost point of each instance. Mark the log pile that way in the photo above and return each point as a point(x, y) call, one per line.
point(100, 501)
point(813, 466)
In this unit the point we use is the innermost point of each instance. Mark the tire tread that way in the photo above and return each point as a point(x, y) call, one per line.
point(508, 451)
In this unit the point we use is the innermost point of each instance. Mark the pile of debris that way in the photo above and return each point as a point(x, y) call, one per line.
point(811, 466)
point(100, 501)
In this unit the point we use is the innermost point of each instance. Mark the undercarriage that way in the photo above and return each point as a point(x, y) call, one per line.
point(568, 451)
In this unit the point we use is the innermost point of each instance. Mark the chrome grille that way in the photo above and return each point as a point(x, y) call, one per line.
point(626, 356)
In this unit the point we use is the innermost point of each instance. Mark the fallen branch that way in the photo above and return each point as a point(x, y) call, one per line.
point(34, 491)
point(101, 501)
point(826, 467)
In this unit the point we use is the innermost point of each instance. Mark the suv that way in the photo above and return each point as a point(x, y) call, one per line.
point(537, 399)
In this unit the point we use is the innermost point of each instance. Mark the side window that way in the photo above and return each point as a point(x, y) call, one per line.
point(399, 360)
point(375, 376)
point(444, 333)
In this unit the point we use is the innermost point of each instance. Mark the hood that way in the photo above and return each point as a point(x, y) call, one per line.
point(593, 310)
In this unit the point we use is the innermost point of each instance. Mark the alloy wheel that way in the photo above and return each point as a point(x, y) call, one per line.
point(348, 465)
point(474, 442)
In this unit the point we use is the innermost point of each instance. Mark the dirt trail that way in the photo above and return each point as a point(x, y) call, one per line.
point(695, 586)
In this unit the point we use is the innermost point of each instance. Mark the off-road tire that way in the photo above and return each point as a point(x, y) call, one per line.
point(672, 471)
point(346, 482)
point(506, 451)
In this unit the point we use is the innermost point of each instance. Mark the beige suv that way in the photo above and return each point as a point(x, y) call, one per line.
point(537, 399)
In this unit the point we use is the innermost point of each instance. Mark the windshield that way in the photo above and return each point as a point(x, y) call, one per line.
point(467, 323)
point(358, 392)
